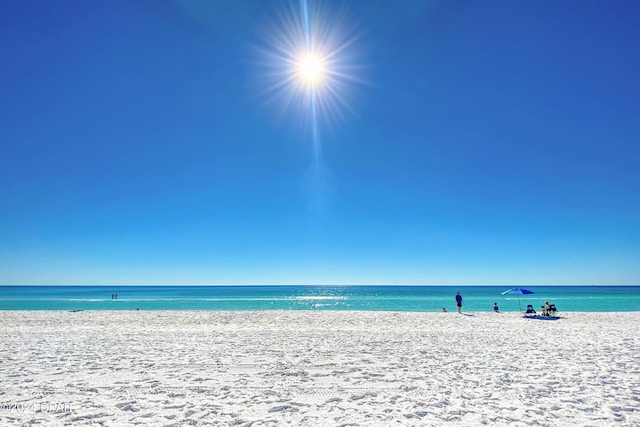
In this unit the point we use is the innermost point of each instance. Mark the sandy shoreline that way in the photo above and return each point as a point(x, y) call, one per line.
point(318, 368)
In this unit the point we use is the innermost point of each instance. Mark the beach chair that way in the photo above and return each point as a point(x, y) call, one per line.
point(552, 311)
point(530, 310)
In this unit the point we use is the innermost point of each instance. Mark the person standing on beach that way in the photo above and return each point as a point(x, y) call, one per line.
point(459, 302)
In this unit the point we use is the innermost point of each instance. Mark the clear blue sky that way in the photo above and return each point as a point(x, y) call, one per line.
point(492, 142)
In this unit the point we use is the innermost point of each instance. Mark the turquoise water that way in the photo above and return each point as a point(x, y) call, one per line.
point(392, 298)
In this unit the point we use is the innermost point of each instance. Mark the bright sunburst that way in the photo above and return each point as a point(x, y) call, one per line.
point(309, 59)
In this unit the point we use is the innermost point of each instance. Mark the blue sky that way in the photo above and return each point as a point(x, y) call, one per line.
point(487, 142)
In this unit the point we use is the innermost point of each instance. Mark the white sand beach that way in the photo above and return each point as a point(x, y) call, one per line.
point(311, 368)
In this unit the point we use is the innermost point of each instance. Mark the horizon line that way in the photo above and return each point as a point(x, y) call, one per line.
point(320, 285)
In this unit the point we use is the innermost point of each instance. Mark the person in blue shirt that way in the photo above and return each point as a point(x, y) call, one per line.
point(495, 307)
point(459, 302)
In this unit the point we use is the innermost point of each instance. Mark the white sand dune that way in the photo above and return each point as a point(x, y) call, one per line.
point(318, 368)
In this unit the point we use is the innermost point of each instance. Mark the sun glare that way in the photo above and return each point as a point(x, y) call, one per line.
point(309, 57)
point(310, 69)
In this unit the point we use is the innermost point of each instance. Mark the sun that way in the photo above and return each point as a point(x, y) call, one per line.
point(309, 61)
point(310, 69)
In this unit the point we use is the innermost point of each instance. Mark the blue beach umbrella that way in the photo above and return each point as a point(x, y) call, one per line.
point(518, 291)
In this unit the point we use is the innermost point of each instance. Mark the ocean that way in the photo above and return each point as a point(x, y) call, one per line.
point(368, 298)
